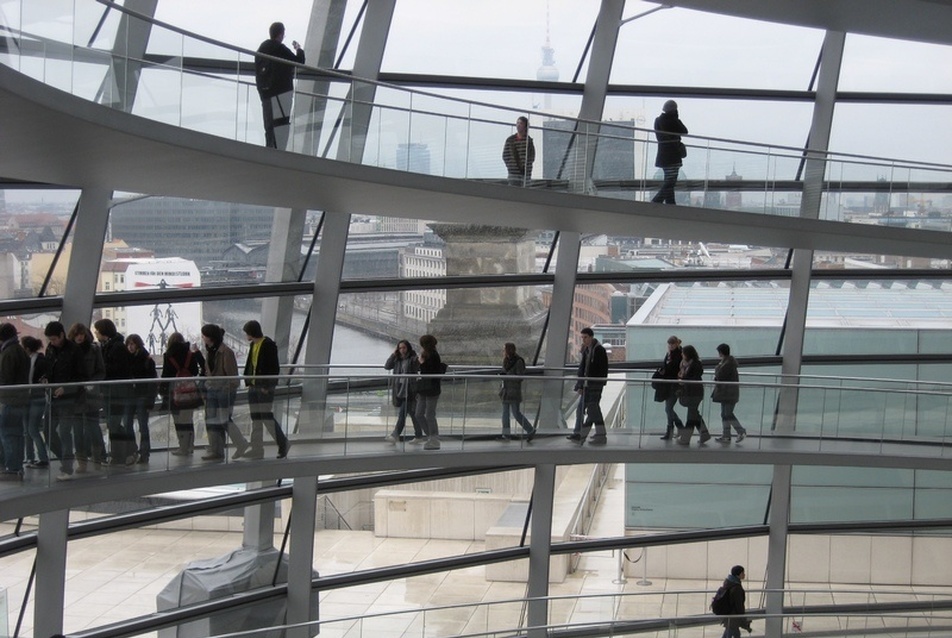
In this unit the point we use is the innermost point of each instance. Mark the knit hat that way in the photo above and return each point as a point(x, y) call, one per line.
point(737, 570)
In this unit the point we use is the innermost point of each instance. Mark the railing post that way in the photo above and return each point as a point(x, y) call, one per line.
point(540, 546)
point(50, 592)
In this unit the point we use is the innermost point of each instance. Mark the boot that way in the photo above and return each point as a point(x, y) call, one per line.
point(186, 439)
point(241, 443)
point(216, 446)
point(705, 433)
point(668, 432)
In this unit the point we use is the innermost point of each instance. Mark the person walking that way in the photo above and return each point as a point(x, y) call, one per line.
point(141, 398)
point(592, 375)
point(14, 371)
point(221, 390)
point(737, 597)
point(513, 365)
point(181, 360)
point(429, 388)
point(262, 362)
point(275, 83)
point(668, 130)
point(518, 154)
point(668, 392)
point(727, 393)
point(692, 393)
point(36, 410)
point(404, 364)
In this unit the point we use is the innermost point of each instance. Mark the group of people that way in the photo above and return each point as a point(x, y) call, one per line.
point(62, 411)
point(416, 390)
point(678, 381)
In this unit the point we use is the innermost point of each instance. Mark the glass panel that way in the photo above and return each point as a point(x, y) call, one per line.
point(895, 66)
point(724, 51)
point(695, 496)
point(217, 243)
point(14, 577)
point(38, 220)
point(418, 30)
point(923, 134)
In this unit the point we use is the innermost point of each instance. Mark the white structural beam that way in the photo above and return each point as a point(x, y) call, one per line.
point(830, 62)
point(540, 548)
point(50, 598)
point(85, 257)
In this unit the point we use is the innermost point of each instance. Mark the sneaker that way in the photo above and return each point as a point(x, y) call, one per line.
point(37, 465)
point(240, 453)
point(283, 451)
point(391, 439)
point(213, 457)
point(531, 434)
point(723, 439)
point(63, 476)
point(254, 455)
point(598, 440)
point(142, 460)
point(682, 442)
point(503, 437)
point(741, 436)
point(575, 436)
point(417, 440)
point(432, 444)
point(666, 437)
point(705, 437)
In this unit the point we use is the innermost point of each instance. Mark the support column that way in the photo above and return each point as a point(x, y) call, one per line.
point(822, 124)
point(259, 525)
point(540, 548)
point(85, 255)
point(301, 555)
point(330, 263)
point(779, 522)
point(560, 322)
point(118, 89)
point(596, 89)
point(284, 264)
point(50, 592)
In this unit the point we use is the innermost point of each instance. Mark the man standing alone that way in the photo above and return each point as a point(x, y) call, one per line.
point(518, 153)
point(592, 372)
point(262, 362)
point(275, 82)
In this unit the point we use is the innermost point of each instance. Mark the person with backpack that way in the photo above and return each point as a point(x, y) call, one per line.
point(182, 360)
point(730, 601)
point(275, 83)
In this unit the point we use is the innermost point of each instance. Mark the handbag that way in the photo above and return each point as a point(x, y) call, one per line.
point(682, 150)
point(657, 375)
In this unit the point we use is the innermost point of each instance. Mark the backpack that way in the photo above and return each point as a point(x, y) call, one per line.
point(264, 74)
point(185, 394)
point(721, 603)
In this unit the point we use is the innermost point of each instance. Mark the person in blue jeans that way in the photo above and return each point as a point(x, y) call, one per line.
point(37, 453)
point(403, 362)
point(734, 587)
point(513, 365)
point(221, 389)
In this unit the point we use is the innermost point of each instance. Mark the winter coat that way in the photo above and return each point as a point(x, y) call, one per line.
point(221, 362)
point(142, 366)
point(511, 390)
point(726, 370)
point(669, 369)
point(267, 364)
point(668, 130)
point(593, 368)
point(402, 388)
point(431, 369)
point(691, 393)
point(14, 370)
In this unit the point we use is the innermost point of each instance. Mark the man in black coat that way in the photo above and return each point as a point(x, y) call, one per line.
point(592, 373)
point(275, 82)
point(737, 597)
point(66, 366)
point(262, 361)
point(668, 130)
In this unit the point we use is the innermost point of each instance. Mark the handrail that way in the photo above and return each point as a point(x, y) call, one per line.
point(346, 77)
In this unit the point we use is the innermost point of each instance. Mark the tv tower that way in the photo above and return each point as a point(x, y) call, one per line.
point(548, 71)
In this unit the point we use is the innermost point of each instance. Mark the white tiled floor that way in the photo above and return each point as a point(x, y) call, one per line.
point(119, 578)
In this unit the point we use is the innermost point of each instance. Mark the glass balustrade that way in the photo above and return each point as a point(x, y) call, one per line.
point(95, 429)
point(650, 613)
point(337, 117)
